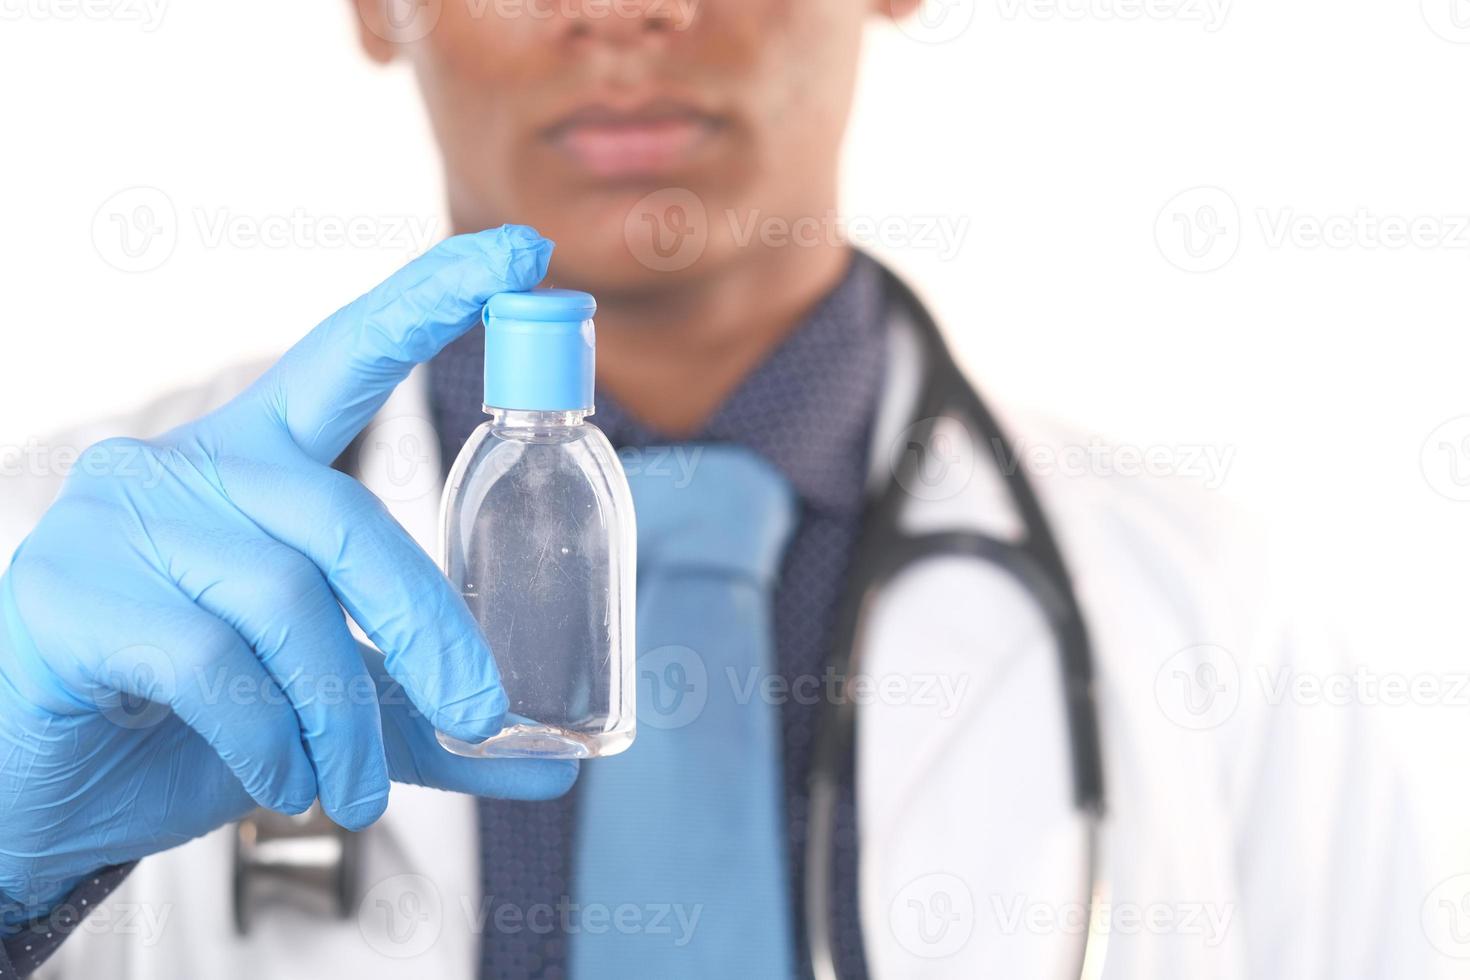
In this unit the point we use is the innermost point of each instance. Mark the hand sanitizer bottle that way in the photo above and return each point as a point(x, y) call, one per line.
point(538, 536)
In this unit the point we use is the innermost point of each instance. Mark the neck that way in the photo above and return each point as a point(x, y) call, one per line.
point(672, 356)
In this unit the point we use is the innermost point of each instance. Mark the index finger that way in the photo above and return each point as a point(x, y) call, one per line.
point(331, 383)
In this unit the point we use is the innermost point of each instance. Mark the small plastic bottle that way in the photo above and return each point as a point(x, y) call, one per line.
point(538, 535)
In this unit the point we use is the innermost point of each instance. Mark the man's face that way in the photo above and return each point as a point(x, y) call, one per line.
point(568, 114)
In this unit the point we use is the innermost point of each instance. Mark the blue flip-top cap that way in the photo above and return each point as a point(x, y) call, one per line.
point(540, 350)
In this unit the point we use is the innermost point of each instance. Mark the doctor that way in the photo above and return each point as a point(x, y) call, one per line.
point(174, 654)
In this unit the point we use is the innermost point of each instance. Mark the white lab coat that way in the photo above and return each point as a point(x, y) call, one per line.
point(1274, 842)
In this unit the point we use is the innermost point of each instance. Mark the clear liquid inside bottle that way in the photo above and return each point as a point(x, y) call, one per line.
point(538, 535)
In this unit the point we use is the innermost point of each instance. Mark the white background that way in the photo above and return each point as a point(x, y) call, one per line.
point(1058, 136)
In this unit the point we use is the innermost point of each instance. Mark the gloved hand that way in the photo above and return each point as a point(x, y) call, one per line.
point(172, 643)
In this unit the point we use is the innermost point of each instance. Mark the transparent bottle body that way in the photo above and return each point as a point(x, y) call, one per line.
point(538, 536)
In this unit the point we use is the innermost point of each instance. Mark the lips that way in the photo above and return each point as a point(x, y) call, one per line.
point(652, 140)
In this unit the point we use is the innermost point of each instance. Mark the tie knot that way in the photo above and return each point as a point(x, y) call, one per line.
point(722, 509)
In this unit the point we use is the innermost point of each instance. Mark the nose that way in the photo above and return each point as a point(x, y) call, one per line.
point(625, 22)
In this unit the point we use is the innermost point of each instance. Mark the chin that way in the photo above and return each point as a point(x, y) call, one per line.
point(633, 238)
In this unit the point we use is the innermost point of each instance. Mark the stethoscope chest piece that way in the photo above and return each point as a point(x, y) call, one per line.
point(303, 863)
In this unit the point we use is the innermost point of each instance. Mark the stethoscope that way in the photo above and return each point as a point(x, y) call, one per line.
point(885, 550)
point(307, 861)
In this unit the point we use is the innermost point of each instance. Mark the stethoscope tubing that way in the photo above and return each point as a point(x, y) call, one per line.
point(884, 551)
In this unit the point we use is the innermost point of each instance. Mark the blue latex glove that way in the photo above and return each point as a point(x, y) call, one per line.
point(172, 643)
